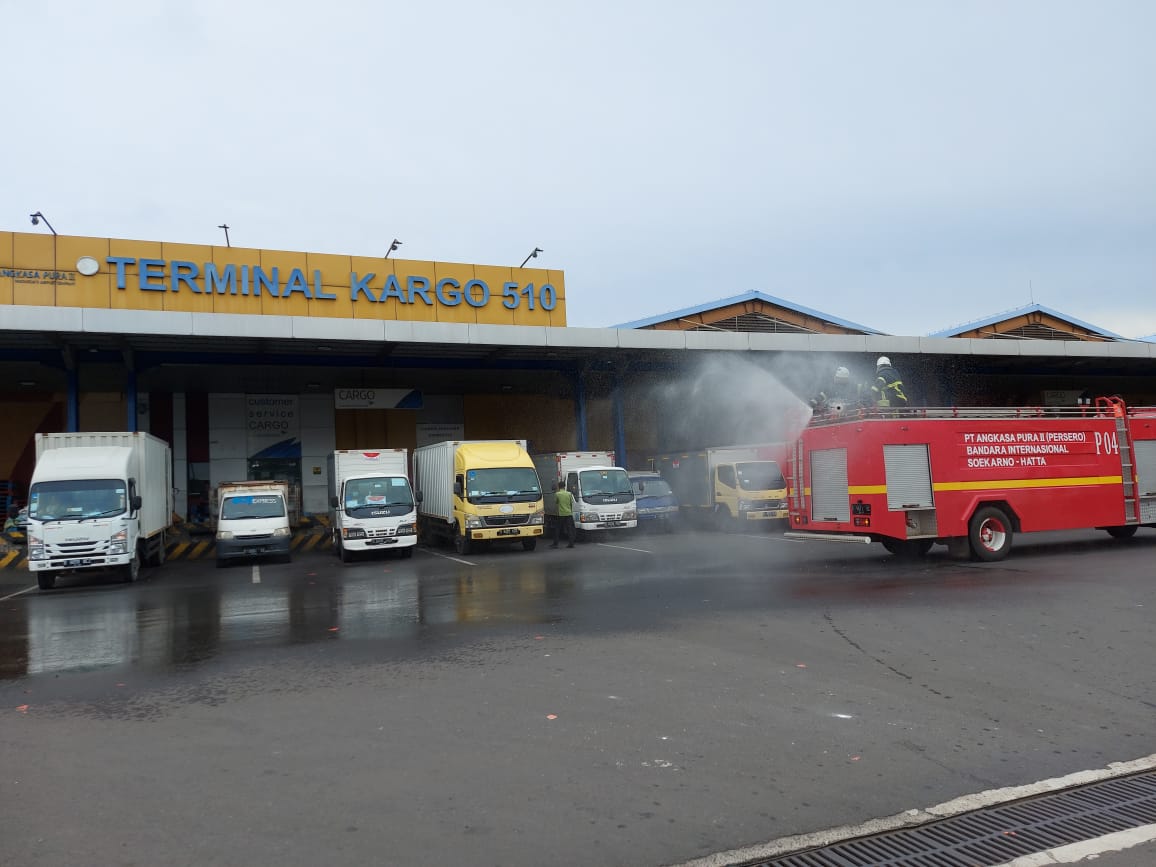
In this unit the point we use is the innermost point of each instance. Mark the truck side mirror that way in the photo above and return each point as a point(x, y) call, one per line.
point(457, 489)
point(418, 497)
point(135, 503)
point(333, 502)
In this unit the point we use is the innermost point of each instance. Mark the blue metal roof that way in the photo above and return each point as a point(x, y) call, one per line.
point(739, 299)
point(1021, 311)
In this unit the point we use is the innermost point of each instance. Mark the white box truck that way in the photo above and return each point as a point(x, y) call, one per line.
point(478, 491)
point(735, 486)
point(98, 501)
point(603, 493)
point(253, 521)
point(371, 504)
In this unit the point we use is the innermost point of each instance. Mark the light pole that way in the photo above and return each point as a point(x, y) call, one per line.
point(37, 217)
point(392, 247)
point(533, 255)
point(225, 226)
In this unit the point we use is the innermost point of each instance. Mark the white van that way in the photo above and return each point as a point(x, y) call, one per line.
point(252, 521)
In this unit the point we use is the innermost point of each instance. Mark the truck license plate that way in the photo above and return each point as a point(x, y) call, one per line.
point(381, 542)
point(87, 562)
point(609, 524)
point(508, 532)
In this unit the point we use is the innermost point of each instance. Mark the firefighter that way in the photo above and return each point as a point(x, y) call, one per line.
point(888, 387)
point(840, 396)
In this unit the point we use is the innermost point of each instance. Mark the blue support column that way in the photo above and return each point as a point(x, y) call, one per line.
point(580, 409)
point(72, 401)
point(130, 388)
point(619, 423)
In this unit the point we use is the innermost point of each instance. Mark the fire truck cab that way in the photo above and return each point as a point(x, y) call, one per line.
point(973, 478)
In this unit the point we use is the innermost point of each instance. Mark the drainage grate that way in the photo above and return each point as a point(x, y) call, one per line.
point(996, 834)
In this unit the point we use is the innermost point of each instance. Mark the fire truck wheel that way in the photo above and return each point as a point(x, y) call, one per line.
point(990, 534)
point(1122, 532)
point(908, 549)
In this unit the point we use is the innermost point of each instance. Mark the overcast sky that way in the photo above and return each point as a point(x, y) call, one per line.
point(906, 165)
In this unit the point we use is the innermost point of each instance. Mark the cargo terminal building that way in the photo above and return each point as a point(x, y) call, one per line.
point(257, 364)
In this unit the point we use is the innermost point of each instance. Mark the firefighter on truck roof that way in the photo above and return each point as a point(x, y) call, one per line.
point(888, 387)
point(840, 395)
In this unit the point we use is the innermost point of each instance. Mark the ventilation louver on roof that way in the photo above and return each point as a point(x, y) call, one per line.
point(1042, 331)
point(758, 323)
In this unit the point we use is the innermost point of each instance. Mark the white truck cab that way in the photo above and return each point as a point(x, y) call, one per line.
point(253, 521)
point(371, 503)
point(98, 501)
point(603, 493)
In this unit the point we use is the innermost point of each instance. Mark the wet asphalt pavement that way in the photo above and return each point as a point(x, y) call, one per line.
point(641, 701)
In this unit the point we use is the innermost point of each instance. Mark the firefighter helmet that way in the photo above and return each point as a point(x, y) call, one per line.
point(842, 374)
point(883, 361)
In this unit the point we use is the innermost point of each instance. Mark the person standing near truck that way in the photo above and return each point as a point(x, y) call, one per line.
point(565, 520)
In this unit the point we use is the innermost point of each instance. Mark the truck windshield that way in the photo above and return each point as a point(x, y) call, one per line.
point(760, 476)
point(605, 486)
point(77, 500)
point(252, 506)
point(378, 498)
point(504, 485)
point(656, 487)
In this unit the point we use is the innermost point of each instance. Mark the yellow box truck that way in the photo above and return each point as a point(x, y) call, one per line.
point(478, 491)
point(734, 486)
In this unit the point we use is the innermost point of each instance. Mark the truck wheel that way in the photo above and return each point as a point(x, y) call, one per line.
point(723, 522)
point(405, 553)
point(221, 564)
point(344, 553)
point(990, 534)
point(158, 557)
point(1122, 532)
point(907, 549)
point(129, 573)
point(529, 544)
point(46, 580)
point(461, 543)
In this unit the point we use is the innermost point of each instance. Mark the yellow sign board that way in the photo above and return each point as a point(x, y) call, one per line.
point(66, 271)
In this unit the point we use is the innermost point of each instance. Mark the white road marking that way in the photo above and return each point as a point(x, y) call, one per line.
point(18, 593)
point(448, 557)
point(256, 573)
point(915, 817)
point(1087, 850)
point(623, 548)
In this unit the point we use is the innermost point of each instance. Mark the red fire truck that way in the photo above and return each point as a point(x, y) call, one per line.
point(973, 478)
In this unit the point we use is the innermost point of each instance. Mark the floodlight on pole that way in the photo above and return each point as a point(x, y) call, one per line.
point(37, 217)
point(225, 226)
point(533, 255)
point(394, 244)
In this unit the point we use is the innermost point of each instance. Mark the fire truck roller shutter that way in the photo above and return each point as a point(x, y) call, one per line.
point(829, 499)
point(1144, 454)
point(908, 477)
